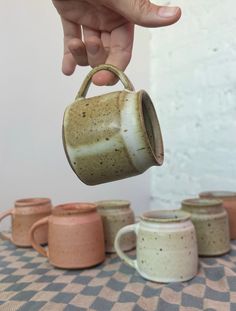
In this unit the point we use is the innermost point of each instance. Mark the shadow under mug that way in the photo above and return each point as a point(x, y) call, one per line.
point(112, 136)
point(75, 236)
point(24, 214)
point(166, 246)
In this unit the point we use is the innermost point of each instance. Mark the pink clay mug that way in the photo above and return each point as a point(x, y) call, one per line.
point(75, 236)
point(24, 214)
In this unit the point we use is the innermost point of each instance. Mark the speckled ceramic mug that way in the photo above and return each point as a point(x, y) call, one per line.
point(111, 136)
point(115, 215)
point(24, 214)
point(229, 203)
point(166, 246)
point(211, 223)
point(75, 236)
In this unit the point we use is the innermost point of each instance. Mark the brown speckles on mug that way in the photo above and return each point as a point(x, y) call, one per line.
point(165, 250)
point(99, 128)
point(115, 215)
point(211, 222)
point(229, 203)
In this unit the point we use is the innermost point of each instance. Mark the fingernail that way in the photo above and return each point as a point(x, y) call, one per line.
point(167, 11)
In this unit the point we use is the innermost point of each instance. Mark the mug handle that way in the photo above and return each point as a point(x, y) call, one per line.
point(87, 81)
point(120, 253)
point(2, 216)
point(35, 245)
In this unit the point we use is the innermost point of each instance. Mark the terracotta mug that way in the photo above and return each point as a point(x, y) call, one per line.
point(75, 236)
point(211, 223)
point(115, 215)
point(166, 246)
point(24, 214)
point(229, 203)
point(111, 136)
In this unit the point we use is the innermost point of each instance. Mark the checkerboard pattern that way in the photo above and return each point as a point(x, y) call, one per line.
point(29, 283)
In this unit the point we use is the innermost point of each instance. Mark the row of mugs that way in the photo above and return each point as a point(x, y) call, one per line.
point(115, 214)
point(168, 242)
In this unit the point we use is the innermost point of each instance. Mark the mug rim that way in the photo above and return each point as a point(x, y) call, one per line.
point(201, 202)
point(165, 216)
point(112, 204)
point(73, 208)
point(27, 202)
point(215, 194)
point(157, 153)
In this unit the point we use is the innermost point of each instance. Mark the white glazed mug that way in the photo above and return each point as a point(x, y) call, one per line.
point(166, 246)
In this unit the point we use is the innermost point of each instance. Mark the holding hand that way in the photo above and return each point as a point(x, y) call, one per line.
point(101, 31)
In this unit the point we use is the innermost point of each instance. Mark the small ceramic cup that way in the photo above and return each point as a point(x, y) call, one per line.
point(115, 215)
point(229, 203)
point(75, 236)
point(166, 246)
point(24, 214)
point(212, 227)
point(111, 136)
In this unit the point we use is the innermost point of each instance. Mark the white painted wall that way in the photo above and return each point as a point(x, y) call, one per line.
point(193, 80)
point(33, 96)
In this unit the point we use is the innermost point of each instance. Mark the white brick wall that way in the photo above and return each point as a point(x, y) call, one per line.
point(193, 83)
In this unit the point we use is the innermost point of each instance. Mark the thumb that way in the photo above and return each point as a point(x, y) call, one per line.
point(145, 13)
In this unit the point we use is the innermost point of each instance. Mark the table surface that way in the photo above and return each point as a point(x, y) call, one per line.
point(29, 283)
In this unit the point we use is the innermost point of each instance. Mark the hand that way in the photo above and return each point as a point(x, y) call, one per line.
point(102, 31)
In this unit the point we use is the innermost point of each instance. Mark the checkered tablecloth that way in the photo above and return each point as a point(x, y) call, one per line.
point(29, 283)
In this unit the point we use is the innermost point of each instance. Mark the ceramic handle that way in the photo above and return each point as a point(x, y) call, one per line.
point(35, 245)
point(120, 253)
point(120, 74)
point(3, 215)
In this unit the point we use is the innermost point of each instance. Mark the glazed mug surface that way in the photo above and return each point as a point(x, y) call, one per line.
point(24, 214)
point(229, 203)
point(166, 246)
point(111, 136)
point(75, 236)
point(211, 223)
point(115, 215)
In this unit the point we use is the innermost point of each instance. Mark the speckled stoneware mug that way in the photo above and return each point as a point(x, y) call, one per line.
point(166, 246)
point(24, 214)
point(229, 203)
point(111, 136)
point(115, 215)
point(75, 236)
point(211, 223)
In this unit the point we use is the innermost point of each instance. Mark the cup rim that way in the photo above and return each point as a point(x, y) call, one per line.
point(165, 216)
point(201, 202)
point(218, 194)
point(73, 208)
point(27, 202)
point(157, 153)
point(112, 204)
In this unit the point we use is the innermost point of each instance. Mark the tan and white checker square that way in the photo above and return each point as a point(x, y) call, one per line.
point(82, 301)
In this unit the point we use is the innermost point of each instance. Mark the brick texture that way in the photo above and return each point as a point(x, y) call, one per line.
point(193, 85)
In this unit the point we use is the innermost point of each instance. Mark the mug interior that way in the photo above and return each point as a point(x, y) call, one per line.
point(152, 128)
point(218, 194)
point(110, 204)
point(202, 202)
point(31, 202)
point(164, 216)
point(73, 208)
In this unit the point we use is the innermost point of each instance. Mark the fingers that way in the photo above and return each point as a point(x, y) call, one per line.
point(144, 13)
point(74, 49)
point(78, 51)
point(120, 51)
point(96, 52)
